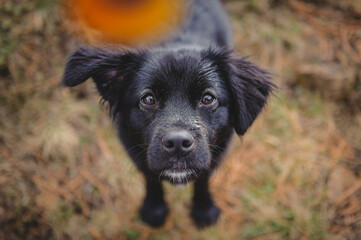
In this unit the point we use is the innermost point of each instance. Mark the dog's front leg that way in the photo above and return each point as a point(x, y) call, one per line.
point(154, 210)
point(204, 211)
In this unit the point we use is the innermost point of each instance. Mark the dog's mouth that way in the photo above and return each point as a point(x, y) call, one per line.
point(179, 177)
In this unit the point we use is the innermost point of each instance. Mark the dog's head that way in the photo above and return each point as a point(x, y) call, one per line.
point(175, 110)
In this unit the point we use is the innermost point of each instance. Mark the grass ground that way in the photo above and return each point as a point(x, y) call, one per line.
point(295, 175)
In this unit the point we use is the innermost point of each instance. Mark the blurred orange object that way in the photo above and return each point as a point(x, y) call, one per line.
point(128, 22)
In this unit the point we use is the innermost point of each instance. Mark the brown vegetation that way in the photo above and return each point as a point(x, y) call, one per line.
point(295, 175)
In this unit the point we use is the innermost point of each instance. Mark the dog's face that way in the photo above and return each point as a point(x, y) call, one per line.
point(175, 110)
point(181, 106)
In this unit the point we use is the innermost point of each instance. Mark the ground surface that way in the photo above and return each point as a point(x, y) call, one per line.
point(295, 175)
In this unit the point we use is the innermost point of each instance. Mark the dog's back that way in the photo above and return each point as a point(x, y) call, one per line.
point(206, 25)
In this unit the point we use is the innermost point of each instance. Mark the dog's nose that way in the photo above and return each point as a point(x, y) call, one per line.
point(178, 143)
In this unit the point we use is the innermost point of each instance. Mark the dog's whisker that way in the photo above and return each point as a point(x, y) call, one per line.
point(136, 146)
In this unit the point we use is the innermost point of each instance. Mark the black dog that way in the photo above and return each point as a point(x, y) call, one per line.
point(176, 105)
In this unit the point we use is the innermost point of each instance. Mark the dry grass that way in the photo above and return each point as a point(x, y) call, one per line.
point(64, 175)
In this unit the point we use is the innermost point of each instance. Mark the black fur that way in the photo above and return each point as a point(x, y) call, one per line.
point(178, 73)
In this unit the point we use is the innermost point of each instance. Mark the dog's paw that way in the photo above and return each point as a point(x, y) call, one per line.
point(205, 216)
point(154, 215)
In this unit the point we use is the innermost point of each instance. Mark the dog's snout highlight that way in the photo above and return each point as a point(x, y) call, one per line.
point(178, 143)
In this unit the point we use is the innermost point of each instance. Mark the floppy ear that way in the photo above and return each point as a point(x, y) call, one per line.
point(250, 87)
point(109, 70)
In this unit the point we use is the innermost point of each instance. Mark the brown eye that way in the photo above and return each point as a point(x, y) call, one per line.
point(148, 99)
point(208, 99)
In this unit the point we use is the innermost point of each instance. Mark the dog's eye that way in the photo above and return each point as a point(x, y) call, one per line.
point(148, 99)
point(208, 99)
